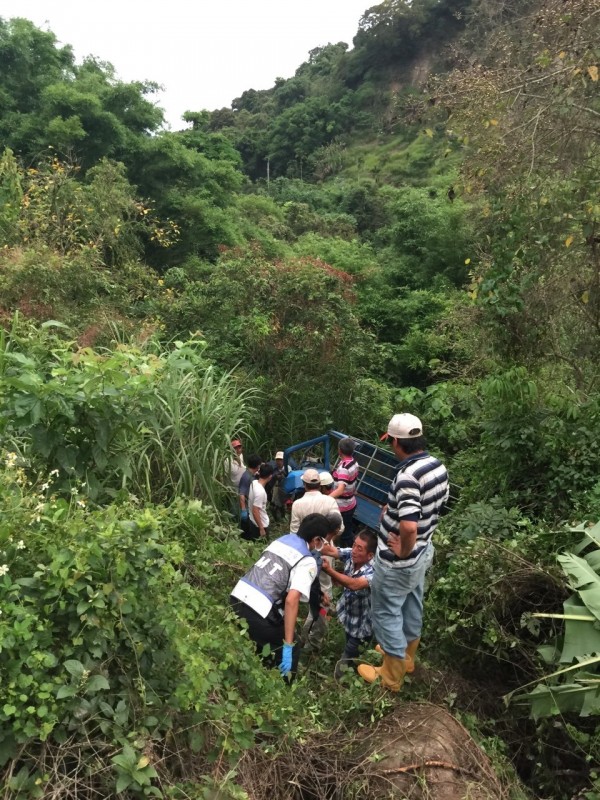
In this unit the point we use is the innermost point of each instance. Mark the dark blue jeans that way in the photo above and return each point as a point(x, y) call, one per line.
point(347, 537)
point(352, 647)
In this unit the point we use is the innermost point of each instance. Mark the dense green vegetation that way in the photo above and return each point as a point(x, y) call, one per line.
point(427, 239)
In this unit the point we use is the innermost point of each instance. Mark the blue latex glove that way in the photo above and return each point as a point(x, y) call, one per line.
point(244, 515)
point(286, 659)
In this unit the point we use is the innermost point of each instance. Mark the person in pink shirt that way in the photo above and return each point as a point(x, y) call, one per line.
point(346, 476)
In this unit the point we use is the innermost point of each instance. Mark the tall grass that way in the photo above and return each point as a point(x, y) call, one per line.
point(183, 443)
point(155, 423)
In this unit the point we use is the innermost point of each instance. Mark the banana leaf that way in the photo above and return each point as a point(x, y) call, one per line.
point(584, 580)
point(578, 698)
point(592, 534)
point(581, 638)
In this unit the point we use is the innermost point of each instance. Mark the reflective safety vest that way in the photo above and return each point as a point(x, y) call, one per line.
point(265, 584)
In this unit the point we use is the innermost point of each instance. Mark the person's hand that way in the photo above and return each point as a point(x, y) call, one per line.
point(262, 533)
point(326, 567)
point(326, 600)
point(244, 514)
point(329, 550)
point(395, 543)
point(286, 659)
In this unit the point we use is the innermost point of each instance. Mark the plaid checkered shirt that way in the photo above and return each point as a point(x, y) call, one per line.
point(354, 608)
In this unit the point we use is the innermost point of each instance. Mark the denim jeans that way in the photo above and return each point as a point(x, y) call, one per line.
point(347, 537)
point(352, 647)
point(397, 602)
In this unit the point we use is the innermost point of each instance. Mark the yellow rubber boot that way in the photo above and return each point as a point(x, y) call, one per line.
point(409, 656)
point(411, 649)
point(391, 672)
point(369, 673)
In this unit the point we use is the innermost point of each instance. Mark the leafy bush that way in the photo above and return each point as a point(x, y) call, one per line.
point(492, 567)
point(117, 658)
point(290, 326)
point(122, 420)
point(573, 684)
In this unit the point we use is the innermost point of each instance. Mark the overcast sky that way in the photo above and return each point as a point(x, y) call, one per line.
point(203, 53)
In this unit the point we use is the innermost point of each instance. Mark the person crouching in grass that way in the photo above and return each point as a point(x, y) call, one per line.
point(354, 606)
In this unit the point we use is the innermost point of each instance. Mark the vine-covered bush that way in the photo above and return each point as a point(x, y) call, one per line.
point(120, 659)
point(155, 423)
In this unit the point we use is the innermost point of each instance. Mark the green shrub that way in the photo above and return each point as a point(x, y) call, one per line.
point(121, 420)
point(492, 567)
point(120, 657)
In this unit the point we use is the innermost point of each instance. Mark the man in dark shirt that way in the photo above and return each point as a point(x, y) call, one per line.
point(249, 475)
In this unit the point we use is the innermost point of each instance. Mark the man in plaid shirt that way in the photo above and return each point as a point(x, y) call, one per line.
point(354, 606)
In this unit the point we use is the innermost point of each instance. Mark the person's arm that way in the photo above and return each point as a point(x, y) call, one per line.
point(243, 497)
point(294, 521)
point(290, 615)
point(339, 490)
point(354, 584)
point(403, 543)
point(257, 520)
point(330, 550)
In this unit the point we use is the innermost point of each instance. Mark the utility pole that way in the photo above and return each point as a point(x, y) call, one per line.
point(268, 160)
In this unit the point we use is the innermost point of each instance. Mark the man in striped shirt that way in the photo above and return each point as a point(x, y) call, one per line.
point(405, 552)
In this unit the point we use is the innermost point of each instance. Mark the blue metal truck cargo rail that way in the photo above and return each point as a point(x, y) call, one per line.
point(377, 467)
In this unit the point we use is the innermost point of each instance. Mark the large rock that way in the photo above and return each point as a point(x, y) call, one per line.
point(420, 751)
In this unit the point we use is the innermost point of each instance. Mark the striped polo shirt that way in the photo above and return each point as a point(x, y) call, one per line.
point(418, 492)
point(346, 470)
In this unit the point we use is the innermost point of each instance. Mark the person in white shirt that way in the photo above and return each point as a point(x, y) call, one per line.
point(312, 502)
point(269, 594)
point(257, 504)
point(236, 463)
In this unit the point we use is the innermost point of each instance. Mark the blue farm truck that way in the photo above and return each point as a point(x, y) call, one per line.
point(377, 467)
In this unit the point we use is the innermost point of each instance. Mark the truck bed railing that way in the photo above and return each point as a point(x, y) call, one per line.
point(377, 468)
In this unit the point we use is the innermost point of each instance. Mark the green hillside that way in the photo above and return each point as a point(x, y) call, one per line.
point(410, 223)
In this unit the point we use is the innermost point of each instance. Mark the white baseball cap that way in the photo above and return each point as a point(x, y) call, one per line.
point(311, 477)
point(404, 426)
point(279, 454)
point(326, 478)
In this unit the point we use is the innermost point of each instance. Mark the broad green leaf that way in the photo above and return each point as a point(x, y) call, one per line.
point(593, 559)
point(584, 579)
point(75, 668)
point(549, 653)
point(66, 691)
point(582, 638)
point(586, 663)
point(570, 697)
point(123, 781)
point(97, 682)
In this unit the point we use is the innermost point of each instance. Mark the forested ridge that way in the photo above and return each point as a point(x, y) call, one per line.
point(412, 224)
